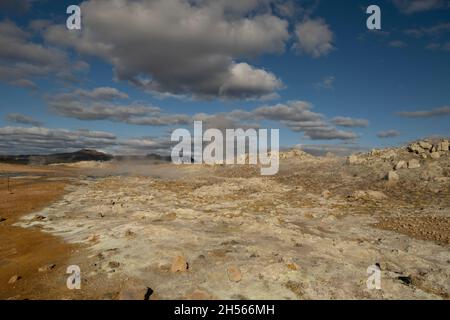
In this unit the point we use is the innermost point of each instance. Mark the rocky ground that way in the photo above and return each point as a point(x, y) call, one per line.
point(225, 232)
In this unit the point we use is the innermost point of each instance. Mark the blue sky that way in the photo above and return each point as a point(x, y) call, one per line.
point(308, 57)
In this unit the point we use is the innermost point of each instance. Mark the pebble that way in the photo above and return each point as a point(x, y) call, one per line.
point(234, 274)
point(179, 264)
point(47, 267)
point(14, 279)
point(293, 266)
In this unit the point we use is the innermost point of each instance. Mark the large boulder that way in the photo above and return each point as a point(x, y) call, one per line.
point(443, 145)
point(435, 155)
point(401, 165)
point(425, 145)
point(415, 147)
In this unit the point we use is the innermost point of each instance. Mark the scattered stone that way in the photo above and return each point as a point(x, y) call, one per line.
point(219, 253)
point(296, 288)
point(129, 233)
point(358, 194)
point(326, 194)
point(413, 164)
point(392, 176)
point(368, 194)
point(170, 216)
point(179, 264)
point(14, 279)
point(93, 238)
point(114, 264)
point(47, 267)
point(293, 266)
point(354, 159)
point(234, 274)
point(166, 217)
point(2, 219)
point(413, 197)
point(401, 165)
point(378, 195)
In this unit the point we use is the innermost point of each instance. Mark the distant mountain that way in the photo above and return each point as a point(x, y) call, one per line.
point(81, 155)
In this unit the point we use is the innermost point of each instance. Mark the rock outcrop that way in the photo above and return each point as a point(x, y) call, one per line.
point(426, 148)
point(402, 158)
point(295, 154)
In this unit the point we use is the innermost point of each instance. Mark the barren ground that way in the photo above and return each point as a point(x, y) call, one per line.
point(309, 232)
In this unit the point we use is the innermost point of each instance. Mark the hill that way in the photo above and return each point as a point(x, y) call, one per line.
point(71, 157)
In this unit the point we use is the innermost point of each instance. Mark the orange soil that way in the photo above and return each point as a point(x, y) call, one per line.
point(24, 251)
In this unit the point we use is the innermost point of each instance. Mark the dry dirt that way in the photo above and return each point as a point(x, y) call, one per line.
point(225, 232)
point(24, 250)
